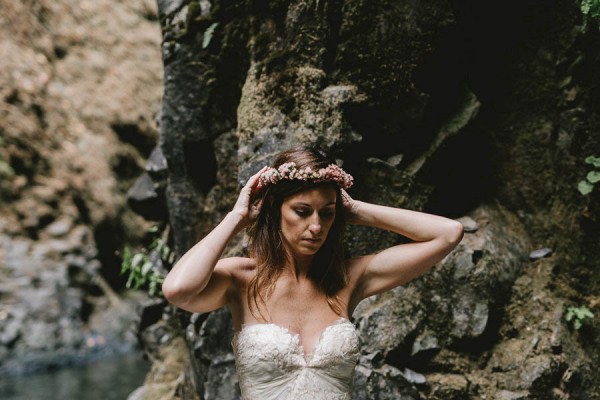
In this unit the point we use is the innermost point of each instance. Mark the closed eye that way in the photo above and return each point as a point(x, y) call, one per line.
point(327, 213)
point(302, 212)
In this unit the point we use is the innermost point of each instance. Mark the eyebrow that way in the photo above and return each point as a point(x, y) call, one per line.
point(310, 206)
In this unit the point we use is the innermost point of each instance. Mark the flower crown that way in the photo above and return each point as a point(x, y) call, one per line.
point(331, 173)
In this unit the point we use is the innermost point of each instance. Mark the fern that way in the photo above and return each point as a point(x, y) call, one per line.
point(141, 266)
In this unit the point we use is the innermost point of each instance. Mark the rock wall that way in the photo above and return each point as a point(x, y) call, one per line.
point(80, 85)
point(479, 112)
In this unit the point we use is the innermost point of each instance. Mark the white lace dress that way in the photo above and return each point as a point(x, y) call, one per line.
point(271, 363)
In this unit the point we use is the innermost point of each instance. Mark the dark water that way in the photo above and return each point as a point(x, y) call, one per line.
point(111, 378)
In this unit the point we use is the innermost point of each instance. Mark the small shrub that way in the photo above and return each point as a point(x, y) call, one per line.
point(142, 267)
point(586, 186)
point(576, 315)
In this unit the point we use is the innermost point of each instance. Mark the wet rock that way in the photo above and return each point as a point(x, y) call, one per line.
point(395, 160)
point(469, 315)
point(424, 348)
point(213, 359)
point(40, 335)
point(510, 355)
point(508, 395)
point(447, 386)
point(168, 372)
point(385, 383)
point(413, 377)
point(469, 224)
point(10, 332)
point(34, 214)
point(289, 97)
point(156, 166)
point(540, 253)
point(60, 227)
point(150, 313)
point(144, 198)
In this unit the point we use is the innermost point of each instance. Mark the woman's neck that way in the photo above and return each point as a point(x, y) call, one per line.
point(298, 266)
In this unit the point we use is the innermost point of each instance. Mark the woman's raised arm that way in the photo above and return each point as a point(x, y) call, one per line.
point(434, 237)
point(199, 281)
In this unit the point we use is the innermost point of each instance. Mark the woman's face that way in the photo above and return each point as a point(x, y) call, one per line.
point(306, 218)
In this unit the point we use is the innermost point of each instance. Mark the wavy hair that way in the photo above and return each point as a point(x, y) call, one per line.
point(328, 270)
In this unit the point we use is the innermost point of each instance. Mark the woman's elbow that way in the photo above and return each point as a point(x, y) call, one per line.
point(173, 292)
point(455, 232)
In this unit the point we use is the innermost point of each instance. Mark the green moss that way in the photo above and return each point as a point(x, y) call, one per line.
point(590, 9)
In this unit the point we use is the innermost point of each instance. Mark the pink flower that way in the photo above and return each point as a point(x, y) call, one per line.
point(331, 173)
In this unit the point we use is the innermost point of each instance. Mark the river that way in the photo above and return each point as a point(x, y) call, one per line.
point(111, 378)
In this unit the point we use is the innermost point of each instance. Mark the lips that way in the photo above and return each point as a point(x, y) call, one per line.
point(311, 240)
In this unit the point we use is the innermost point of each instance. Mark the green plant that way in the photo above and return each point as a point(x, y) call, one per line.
point(586, 186)
point(208, 34)
point(589, 9)
point(141, 266)
point(576, 315)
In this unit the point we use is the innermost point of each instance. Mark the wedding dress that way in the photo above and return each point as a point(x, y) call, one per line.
point(271, 363)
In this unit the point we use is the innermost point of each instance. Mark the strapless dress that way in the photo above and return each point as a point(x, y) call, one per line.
point(271, 363)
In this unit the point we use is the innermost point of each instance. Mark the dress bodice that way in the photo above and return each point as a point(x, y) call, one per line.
point(271, 363)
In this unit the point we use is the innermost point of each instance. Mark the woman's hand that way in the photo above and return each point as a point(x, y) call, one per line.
point(245, 206)
point(350, 207)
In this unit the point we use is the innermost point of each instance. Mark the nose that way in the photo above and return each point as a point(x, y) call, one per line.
point(315, 225)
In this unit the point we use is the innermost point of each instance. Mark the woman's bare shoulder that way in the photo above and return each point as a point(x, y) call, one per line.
point(238, 267)
point(356, 267)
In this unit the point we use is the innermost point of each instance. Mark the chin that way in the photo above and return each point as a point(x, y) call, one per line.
point(307, 251)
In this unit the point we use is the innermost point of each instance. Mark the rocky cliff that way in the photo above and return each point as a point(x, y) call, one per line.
point(80, 87)
point(484, 112)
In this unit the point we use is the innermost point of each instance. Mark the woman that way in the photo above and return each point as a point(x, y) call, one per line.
point(292, 297)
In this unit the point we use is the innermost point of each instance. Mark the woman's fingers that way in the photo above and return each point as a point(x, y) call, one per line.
point(248, 191)
point(254, 182)
point(346, 199)
point(257, 175)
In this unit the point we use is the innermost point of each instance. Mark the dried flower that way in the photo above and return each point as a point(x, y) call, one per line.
point(331, 173)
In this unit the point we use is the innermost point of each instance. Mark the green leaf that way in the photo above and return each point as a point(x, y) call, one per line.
point(137, 260)
point(138, 281)
point(129, 281)
point(584, 312)
point(585, 187)
point(208, 34)
point(126, 263)
point(578, 315)
point(570, 314)
point(593, 176)
point(585, 6)
point(595, 161)
point(164, 252)
point(146, 267)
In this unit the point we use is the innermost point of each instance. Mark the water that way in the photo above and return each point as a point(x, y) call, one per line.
point(111, 378)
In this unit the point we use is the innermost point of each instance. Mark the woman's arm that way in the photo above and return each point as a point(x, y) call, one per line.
point(199, 281)
point(434, 237)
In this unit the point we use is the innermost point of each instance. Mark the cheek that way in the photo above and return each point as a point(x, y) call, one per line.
point(289, 224)
point(328, 227)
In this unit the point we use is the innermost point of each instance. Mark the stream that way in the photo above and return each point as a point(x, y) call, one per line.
point(111, 378)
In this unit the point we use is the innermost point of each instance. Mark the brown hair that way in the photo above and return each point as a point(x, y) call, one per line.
point(266, 243)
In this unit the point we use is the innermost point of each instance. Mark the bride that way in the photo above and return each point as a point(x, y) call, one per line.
point(292, 298)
